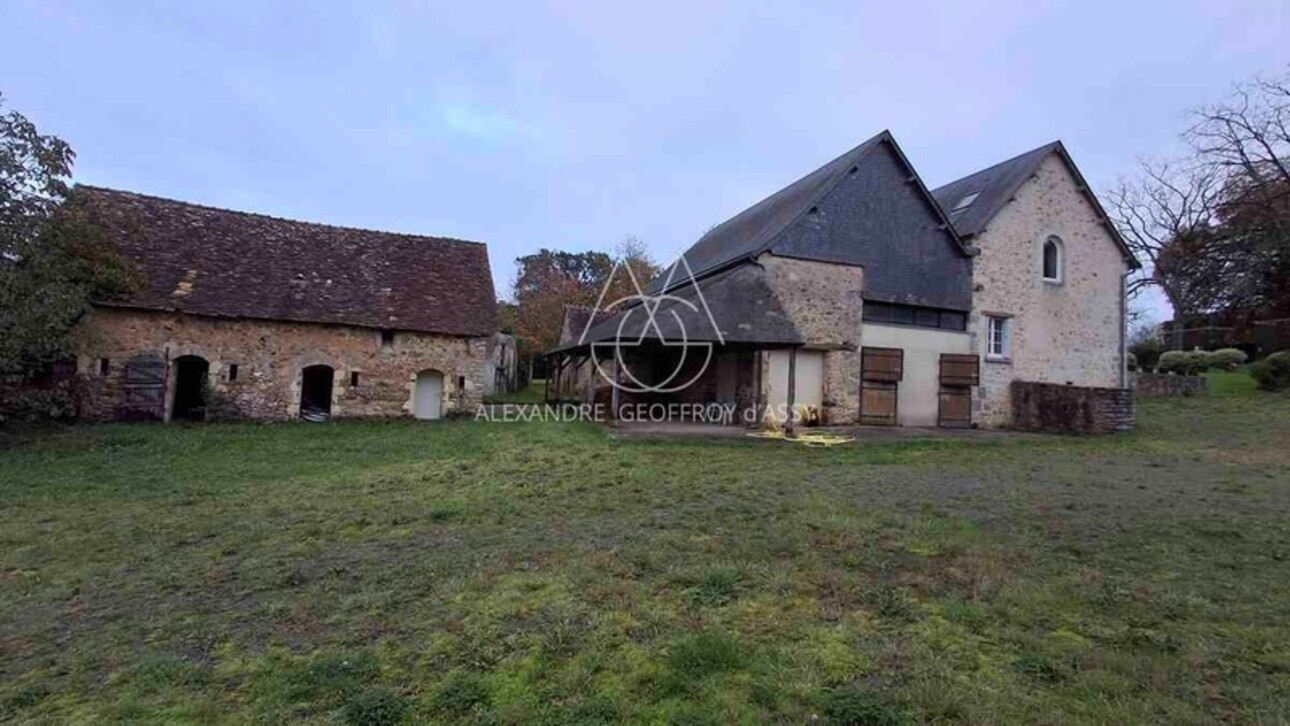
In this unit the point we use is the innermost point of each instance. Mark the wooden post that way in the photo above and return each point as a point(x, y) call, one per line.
point(546, 386)
point(613, 390)
point(792, 388)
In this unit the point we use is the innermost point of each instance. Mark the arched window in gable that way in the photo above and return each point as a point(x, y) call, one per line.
point(1054, 259)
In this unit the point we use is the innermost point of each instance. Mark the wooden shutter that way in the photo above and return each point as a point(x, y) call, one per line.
point(882, 364)
point(960, 370)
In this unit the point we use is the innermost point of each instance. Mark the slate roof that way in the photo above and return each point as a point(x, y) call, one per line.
point(760, 227)
point(996, 186)
point(209, 261)
point(749, 233)
point(741, 303)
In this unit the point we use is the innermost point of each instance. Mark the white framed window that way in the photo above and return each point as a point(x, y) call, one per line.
point(1053, 259)
point(998, 337)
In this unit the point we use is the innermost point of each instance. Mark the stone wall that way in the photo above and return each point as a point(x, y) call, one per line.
point(1056, 408)
point(1153, 385)
point(1067, 332)
point(824, 301)
point(270, 356)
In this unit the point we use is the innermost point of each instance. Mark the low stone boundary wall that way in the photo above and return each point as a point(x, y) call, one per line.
point(1158, 385)
point(1055, 408)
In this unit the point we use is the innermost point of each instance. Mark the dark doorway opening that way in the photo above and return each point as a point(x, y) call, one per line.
point(191, 372)
point(315, 392)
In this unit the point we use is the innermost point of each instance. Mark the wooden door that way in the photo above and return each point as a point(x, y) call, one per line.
point(143, 389)
point(428, 395)
point(959, 372)
point(880, 372)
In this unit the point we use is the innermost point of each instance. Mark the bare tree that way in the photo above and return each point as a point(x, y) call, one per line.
point(1247, 134)
point(1246, 138)
point(1165, 203)
point(1213, 230)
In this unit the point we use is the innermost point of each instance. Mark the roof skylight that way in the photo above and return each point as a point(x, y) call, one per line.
point(965, 202)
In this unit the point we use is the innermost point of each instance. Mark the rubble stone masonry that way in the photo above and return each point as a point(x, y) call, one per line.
point(1066, 332)
point(824, 301)
point(270, 356)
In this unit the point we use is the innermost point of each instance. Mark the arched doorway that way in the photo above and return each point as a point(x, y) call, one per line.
point(315, 392)
point(427, 397)
point(191, 376)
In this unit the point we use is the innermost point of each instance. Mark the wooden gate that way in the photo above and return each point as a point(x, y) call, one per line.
point(143, 389)
point(880, 372)
point(959, 373)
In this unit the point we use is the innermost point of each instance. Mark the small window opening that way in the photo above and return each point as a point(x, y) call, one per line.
point(104, 366)
point(813, 210)
point(461, 383)
point(853, 170)
point(998, 337)
point(387, 338)
point(1053, 259)
point(232, 372)
point(353, 379)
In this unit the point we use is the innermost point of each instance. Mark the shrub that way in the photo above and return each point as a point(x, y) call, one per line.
point(1132, 361)
point(1273, 373)
point(1147, 352)
point(1228, 359)
point(1199, 361)
point(1184, 362)
point(1172, 361)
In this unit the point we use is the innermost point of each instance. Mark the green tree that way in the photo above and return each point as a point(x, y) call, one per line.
point(53, 260)
point(549, 280)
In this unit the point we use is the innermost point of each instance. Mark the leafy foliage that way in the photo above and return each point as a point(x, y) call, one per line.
point(1273, 373)
point(52, 258)
point(550, 280)
point(1185, 362)
point(1228, 359)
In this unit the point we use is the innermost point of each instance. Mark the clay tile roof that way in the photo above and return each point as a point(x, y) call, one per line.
point(208, 261)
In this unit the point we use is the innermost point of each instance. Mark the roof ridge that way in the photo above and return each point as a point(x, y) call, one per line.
point(261, 215)
point(767, 234)
point(1048, 147)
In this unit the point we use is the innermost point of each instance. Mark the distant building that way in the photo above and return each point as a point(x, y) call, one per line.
point(250, 316)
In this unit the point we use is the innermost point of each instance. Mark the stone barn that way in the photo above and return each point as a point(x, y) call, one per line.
point(856, 295)
point(250, 316)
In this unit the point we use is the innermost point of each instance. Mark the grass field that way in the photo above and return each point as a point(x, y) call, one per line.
point(544, 573)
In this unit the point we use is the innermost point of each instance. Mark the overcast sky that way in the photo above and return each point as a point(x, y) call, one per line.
point(573, 125)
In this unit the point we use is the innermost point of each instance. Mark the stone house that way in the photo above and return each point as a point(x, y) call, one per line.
point(858, 295)
point(250, 316)
point(1049, 279)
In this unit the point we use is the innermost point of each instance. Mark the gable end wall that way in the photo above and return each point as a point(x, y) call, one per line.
point(1061, 333)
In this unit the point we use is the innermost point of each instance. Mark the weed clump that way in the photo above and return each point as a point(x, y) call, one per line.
point(375, 707)
point(861, 706)
point(461, 693)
